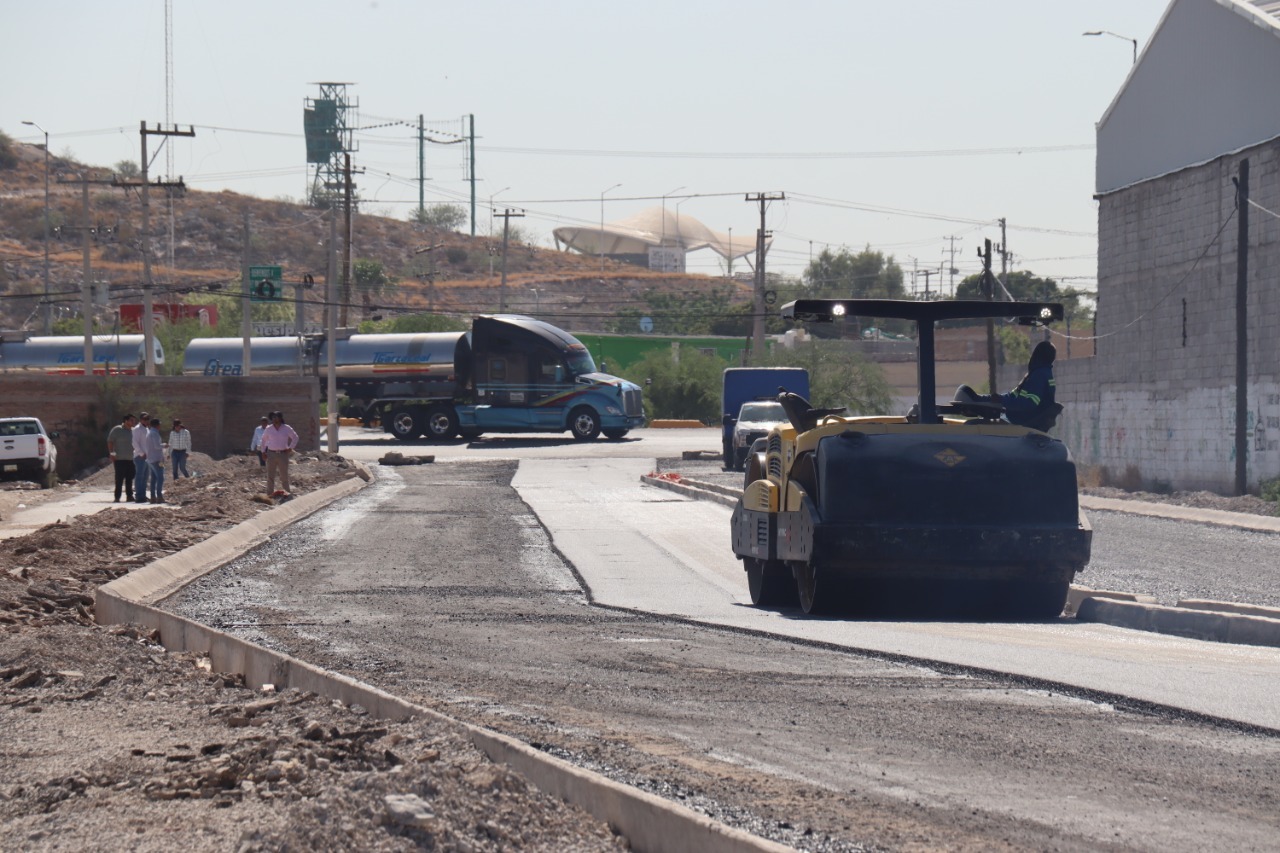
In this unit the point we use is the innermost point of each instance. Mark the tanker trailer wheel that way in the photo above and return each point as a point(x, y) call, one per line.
point(584, 423)
point(470, 433)
point(770, 583)
point(404, 425)
point(615, 433)
point(442, 423)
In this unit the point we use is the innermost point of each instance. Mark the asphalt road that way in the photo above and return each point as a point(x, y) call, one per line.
point(440, 583)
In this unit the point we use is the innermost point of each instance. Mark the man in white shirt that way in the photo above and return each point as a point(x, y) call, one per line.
point(141, 472)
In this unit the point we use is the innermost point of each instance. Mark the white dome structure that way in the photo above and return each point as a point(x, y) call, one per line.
point(653, 228)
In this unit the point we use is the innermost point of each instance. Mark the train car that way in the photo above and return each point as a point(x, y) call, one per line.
point(64, 355)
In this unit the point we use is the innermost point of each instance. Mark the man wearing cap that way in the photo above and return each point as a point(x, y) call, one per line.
point(256, 444)
point(278, 440)
point(141, 471)
point(179, 448)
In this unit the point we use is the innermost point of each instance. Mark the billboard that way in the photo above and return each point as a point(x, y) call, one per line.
point(168, 312)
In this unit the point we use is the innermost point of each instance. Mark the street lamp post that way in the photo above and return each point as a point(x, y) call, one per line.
point(600, 245)
point(48, 308)
point(491, 198)
point(1132, 41)
point(664, 219)
point(730, 258)
point(679, 233)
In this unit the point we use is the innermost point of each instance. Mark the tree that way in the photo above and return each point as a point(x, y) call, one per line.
point(8, 157)
point(442, 217)
point(409, 323)
point(687, 389)
point(127, 169)
point(370, 278)
point(1026, 286)
point(866, 275)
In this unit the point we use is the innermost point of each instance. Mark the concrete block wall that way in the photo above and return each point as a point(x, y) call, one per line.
point(1156, 409)
point(221, 412)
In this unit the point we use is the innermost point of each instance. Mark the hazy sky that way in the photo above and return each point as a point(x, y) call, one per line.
point(898, 123)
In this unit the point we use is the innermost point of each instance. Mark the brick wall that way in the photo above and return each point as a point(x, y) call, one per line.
point(1157, 409)
point(221, 412)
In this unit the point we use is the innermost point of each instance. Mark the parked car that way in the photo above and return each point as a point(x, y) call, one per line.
point(27, 451)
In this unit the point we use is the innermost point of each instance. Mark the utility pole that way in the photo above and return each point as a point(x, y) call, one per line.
point(148, 319)
point(430, 275)
point(926, 273)
point(1004, 255)
point(1242, 326)
point(988, 292)
point(951, 268)
point(246, 305)
point(506, 215)
point(330, 333)
point(757, 302)
point(471, 136)
point(422, 168)
point(346, 241)
point(86, 287)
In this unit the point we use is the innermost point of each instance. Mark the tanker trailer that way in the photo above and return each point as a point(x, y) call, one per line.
point(509, 374)
point(64, 355)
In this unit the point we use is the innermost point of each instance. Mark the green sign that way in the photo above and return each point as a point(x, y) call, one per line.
point(264, 284)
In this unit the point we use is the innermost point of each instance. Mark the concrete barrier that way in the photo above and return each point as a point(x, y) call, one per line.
point(672, 423)
point(1230, 607)
point(650, 823)
point(1197, 624)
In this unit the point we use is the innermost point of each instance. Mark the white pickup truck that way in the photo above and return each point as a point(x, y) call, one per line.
point(27, 451)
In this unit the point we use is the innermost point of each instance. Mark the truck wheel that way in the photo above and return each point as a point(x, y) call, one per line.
point(769, 582)
point(404, 424)
point(442, 423)
point(739, 459)
point(470, 433)
point(48, 479)
point(615, 434)
point(727, 455)
point(584, 423)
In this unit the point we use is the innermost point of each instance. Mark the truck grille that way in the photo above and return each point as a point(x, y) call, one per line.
point(632, 403)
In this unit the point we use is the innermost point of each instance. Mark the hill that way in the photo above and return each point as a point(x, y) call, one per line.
point(198, 241)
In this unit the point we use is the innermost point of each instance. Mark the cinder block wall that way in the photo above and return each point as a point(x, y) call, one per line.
point(221, 412)
point(1156, 409)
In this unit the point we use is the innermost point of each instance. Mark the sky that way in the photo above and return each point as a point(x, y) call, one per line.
point(910, 126)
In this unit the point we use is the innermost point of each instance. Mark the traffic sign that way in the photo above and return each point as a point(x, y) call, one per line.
point(264, 284)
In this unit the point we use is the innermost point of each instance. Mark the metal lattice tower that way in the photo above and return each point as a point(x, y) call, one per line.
point(329, 121)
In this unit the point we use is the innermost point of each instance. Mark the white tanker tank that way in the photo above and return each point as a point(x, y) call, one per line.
point(367, 366)
point(64, 354)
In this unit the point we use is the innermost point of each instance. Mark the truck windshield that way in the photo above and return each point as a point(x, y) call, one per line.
point(760, 412)
point(580, 361)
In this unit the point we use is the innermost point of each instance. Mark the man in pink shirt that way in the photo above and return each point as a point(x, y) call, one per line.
point(278, 442)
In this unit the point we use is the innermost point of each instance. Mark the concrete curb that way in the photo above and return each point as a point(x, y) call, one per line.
point(648, 821)
point(1222, 518)
point(1181, 622)
point(672, 423)
point(1215, 621)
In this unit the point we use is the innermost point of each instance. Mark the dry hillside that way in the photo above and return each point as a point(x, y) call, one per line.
point(207, 249)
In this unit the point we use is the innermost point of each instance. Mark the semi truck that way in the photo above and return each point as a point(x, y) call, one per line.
point(64, 354)
point(509, 373)
point(749, 385)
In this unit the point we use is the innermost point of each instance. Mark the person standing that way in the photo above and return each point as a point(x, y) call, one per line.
point(120, 448)
point(179, 449)
point(278, 440)
point(140, 468)
point(256, 444)
point(155, 461)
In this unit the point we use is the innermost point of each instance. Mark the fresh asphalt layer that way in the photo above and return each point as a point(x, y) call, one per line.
point(657, 551)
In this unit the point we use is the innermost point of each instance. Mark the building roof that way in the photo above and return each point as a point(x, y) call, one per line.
point(1203, 86)
point(655, 226)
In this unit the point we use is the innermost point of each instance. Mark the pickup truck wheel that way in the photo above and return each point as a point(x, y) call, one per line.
point(442, 423)
point(584, 423)
point(615, 434)
point(404, 425)
point(48, 480)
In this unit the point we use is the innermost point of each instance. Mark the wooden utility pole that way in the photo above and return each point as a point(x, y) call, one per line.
point(246, 304)
point(988, 293)
point(148, 319)
point(1242, 327)
point(506, 215)
point(757, 302)
point(330, 333)
point(347, 188)
point(86, 287)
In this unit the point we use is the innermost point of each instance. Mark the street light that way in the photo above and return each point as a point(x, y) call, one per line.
point(1117, 35)
point(664, 221)
point(679, 238)
point(600, 246)
point(48, 308)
